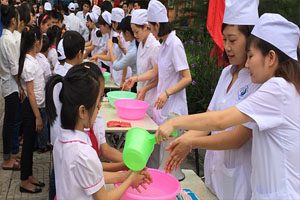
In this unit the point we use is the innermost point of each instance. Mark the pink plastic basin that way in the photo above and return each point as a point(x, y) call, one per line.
point(131, 109)
point(103, 69)
point(163, 187)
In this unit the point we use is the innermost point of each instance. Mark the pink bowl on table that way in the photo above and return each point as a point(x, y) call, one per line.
point(163, 187)
point(103, 69)
point(131, 109)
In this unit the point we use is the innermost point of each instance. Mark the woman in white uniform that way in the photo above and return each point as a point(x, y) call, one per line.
point(227, 173)
point(273, 110)
point(147, 55)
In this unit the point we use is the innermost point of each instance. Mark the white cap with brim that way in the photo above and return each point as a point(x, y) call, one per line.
point(241, 12)
point(157, 12)
point(107, 17)
point(281, 33)
point(117, 14)
point(47, 6)
point(76, 5)
point(60, 51)
point(97, 10)
point(139, 17)
point(71, 7)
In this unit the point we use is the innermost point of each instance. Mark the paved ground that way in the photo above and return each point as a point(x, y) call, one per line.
point(10, 180)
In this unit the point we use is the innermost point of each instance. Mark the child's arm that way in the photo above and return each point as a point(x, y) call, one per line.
point(110, 153)
point(114, 167)
point(115, 177)
point(34, 106)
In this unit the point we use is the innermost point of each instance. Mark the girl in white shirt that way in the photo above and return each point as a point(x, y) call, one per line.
point(54, 35)
point(33, 83)
point(78, 170)
point(273, 111)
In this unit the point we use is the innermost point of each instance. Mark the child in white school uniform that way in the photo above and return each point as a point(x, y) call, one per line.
point(32, 79)
point(273, 110)
point(42, 57)
point(54, 35)
point(78, 170)
point(147, 55)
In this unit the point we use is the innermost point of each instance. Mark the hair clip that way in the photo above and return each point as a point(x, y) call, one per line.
point(86, 66)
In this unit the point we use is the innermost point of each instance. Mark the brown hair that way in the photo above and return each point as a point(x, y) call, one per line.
point(288, 68)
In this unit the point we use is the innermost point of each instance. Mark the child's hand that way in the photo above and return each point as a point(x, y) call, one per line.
point(129, 83)
point(140, 179)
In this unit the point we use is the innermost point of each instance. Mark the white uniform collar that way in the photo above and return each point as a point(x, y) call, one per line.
point(170, 38)
point(68, 136)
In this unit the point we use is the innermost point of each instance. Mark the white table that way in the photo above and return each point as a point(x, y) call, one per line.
point(110, 114)
point(191, 181)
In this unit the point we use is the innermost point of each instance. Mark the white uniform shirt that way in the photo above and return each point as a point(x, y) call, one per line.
point(227, 173)
point(171, 60)
point(99, 130)
point(32, 71)
point(96, 41)
point(18, 36)
point(73, 23)
point(56, 126)
point(81, 16)
point(275, 108)
point(85, 32)
point(9, 62)
point(147, 55)
point(78, 170)
point(44, 63)
point(52, 57)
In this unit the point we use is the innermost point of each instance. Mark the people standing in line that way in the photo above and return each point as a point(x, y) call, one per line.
point(33, 107)
point(273, 111)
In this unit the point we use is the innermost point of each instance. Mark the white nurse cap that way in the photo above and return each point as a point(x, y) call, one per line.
point(94, 17)
point(76, 5)
point(60, 50)
point(139, 17)
point(117, 14)
point(241, 12)
point(71, 6)
point(47, 6)
point(97, 10)
point(281, 33)
point(157, 12)
point(107, 17)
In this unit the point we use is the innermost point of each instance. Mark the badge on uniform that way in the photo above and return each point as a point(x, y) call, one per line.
point(242, 92)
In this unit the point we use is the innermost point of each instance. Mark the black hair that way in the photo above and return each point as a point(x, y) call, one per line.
point(88, 18)
point(7, 14)
point(164, 28)
point(43, 18)
point(125, 25)
point(57, 15)
point(288, 68)
point(86, 2)
point(142, 3)
point(73, 43)
point(24, 13)
point(29, 36)
point(46, 44)
point(101, 21)
point(244, 29)
point(106, 6)
point(81, 80)
point(54, 34)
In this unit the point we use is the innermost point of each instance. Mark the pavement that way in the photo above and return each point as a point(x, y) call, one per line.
point(10, 180)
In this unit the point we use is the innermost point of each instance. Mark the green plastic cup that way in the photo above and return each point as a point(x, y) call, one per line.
point(139, 144)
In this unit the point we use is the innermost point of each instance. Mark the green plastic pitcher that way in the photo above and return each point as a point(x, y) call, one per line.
point(139, 144)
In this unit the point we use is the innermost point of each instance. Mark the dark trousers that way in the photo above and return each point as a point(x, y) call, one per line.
point(11, 109)
point(17, 129)
point(52, 190)
point(28, 140)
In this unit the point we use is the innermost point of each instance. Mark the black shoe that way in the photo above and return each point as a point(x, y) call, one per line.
point(36, 190)
point(40, 184)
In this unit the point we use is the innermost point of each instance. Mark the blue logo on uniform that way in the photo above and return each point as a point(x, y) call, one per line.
point(243, 91)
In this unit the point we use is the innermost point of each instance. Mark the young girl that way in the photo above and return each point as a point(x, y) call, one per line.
point(9, 52)
point(147, 55)
point(273, 110)
point(44, 22)
point(54, 35)
point(42, 57)
point(33, 83)
point(78, 170)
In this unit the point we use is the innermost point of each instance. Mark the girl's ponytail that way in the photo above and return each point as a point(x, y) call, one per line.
point(50, 107)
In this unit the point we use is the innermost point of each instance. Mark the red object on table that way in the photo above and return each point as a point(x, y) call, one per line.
point(111, 124)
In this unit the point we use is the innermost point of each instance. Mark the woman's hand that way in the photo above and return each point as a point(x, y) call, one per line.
point(161, 100)
point(94, 58)
point(38, 124)
point(129, 83)
point(179, 149)
point(141, 93)
point(164, 131)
